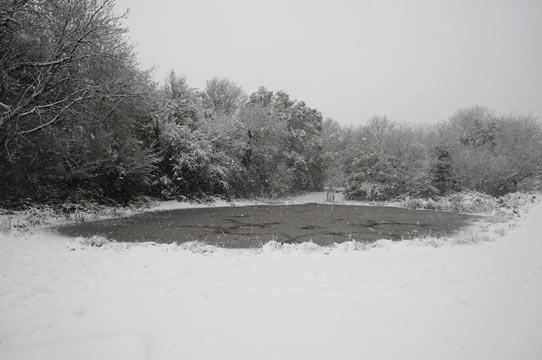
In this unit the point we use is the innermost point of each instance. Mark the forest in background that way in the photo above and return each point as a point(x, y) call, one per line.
point(79, 120)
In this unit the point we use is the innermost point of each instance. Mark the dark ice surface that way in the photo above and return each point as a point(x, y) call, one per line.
point(253, 226)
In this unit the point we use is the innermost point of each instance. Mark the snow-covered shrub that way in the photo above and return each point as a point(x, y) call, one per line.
point(414, 204)
point(368, 191)
point(472, 202)
point(192, 165)
point(5, 223)
point(374, 176)
point(96, 241)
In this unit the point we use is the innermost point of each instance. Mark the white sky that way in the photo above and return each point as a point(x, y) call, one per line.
point(416, 61)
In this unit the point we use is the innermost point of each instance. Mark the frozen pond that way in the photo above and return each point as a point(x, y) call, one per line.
point(253, 226)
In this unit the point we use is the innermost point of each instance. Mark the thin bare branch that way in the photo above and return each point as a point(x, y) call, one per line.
point(55, 118)
point(5, 106)
point(40, 64)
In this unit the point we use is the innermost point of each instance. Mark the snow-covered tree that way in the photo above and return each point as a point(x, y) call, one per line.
point(222, 97)
point(305, 147)
point(334, 141)
point(193, 163)
point(73, 104)
point(374, 176)
point(264, 158)
point(487, 152)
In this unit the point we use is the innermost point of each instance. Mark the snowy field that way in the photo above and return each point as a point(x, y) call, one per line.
point(62, 298)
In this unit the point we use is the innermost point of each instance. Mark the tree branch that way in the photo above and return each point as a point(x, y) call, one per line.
point(5, 106)
point(55, 118)
point(40, 64)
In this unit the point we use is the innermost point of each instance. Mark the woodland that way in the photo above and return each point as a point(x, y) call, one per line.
point(81, 121)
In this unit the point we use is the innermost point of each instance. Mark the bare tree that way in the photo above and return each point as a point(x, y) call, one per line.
point(73, 104)
point(222, 97)
point(56, 55)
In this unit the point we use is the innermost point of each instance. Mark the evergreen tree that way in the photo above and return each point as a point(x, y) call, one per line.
point(442, 171)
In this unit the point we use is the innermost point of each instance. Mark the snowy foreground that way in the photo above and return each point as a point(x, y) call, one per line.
point(62, 298)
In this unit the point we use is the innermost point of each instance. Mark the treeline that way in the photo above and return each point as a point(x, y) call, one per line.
point(79, 120)
point(221, 142)
point(475, 149)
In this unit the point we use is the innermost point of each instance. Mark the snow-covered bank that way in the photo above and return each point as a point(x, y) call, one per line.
point(61, 299)
point(41, 217)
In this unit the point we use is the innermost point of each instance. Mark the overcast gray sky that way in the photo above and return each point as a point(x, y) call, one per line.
point(416, 61)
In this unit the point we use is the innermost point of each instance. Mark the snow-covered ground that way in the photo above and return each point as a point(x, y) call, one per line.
point(61, 298)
